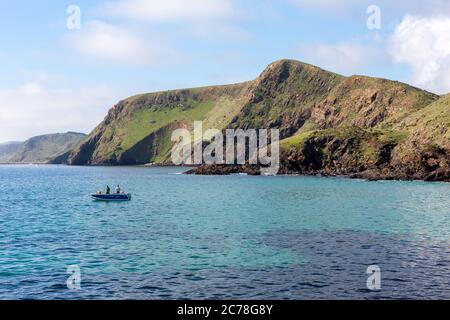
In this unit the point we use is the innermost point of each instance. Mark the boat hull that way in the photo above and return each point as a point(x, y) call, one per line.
point(111, 197)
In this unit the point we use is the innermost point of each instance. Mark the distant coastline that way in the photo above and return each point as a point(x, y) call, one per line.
point(329, 125)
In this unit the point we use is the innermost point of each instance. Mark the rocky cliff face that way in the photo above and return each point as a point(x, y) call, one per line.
point(331, 124)
point(362, 153)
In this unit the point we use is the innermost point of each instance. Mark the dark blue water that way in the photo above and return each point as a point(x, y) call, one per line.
point(209, 237)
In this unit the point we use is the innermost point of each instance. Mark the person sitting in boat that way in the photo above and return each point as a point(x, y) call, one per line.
point(118, 189)
point(108, 190)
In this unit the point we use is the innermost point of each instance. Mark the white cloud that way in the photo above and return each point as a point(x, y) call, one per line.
point(36, 108)
point(143, 32)
point(198, 18)
point(322, 3)
point(118, 44)
point(345, 58)
point(171, 10)
point(30, 88)
point(403, 5)
point(424, 44)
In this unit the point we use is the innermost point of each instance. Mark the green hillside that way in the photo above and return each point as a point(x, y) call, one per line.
point(43, 148)
point(354, 125)
point(139, 120)
point(7, 150)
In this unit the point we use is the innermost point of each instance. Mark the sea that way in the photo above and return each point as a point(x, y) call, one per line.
point(219, 237)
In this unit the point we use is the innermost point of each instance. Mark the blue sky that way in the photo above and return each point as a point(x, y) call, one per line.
point(55, 79)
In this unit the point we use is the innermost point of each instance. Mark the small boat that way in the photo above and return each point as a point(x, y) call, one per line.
point(111, 197)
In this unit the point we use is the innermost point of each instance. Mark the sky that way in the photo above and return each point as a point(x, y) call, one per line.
point(65, 63)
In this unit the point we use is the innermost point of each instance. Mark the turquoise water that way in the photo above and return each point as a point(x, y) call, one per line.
point(212, 237)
